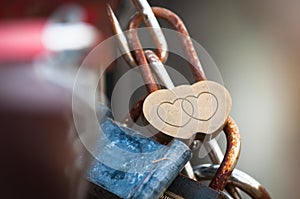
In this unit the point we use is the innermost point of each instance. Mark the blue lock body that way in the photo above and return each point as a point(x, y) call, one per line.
point(131, 165)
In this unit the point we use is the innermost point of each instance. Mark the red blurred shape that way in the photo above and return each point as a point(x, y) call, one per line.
point(20, 40)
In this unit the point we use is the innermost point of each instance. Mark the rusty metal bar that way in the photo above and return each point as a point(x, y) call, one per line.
point(176, 22)
point(238, 178)
point(231, 156)
point(216, 155)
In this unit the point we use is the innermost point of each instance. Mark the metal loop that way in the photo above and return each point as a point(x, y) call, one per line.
point(140, 58)
point(216, 155)
point(231, 156)
point(177, 23)
point(238, 178)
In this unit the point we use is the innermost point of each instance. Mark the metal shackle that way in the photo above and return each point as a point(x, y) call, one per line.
point(179, 26)
point(238, 178)
point(231, 156)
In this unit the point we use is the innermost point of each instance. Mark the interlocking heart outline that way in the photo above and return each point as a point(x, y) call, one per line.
point(188, 109)
point(192, 116)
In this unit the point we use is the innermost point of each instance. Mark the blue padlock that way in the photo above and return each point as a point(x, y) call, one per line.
point(131, 165)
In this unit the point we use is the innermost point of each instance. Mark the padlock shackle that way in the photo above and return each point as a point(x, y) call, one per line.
point(177, 23)
point(238, 179)
point(231, 155)
point(139, 58)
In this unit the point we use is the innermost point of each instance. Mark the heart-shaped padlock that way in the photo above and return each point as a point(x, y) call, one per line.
point(188, 109)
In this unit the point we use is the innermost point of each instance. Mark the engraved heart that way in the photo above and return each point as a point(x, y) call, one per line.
point(207, 104)
point(188, 109)
point(168, 111)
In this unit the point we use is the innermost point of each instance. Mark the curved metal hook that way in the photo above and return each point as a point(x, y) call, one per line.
point(238, 178)
point(177, 23)
point(231, 156)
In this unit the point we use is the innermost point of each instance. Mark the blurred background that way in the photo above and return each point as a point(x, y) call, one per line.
point(255, 44)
